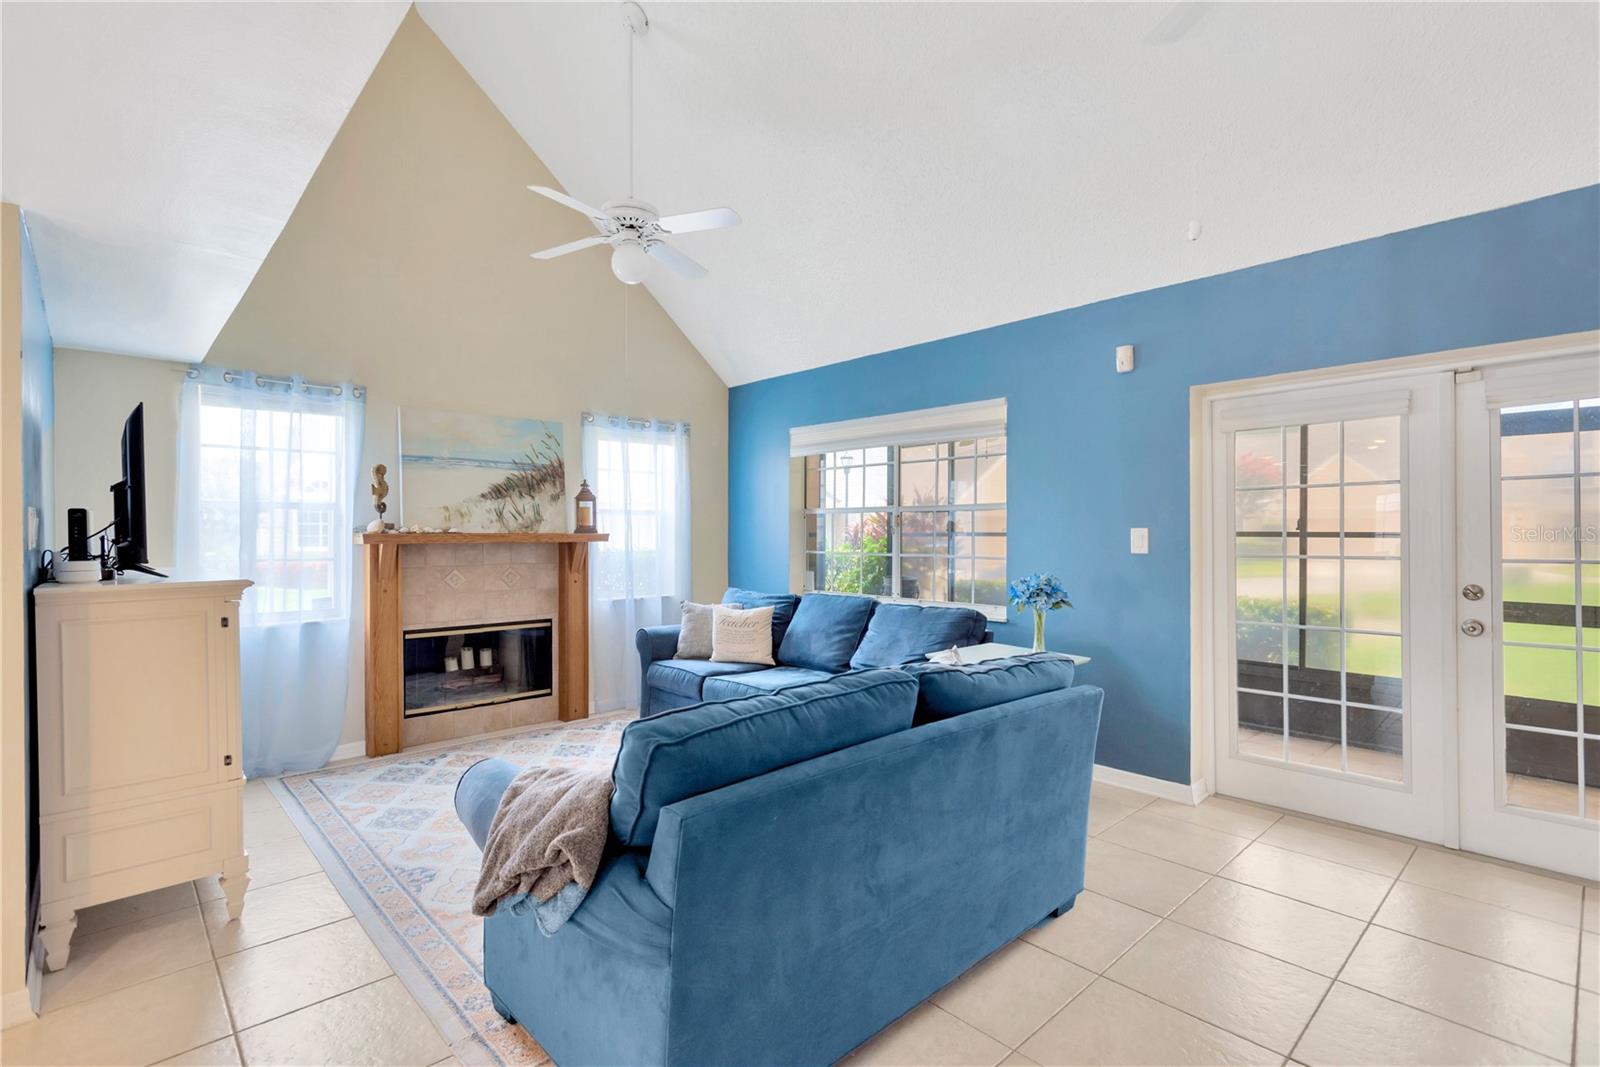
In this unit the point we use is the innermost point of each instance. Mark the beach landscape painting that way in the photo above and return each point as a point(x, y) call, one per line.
point(481, 473)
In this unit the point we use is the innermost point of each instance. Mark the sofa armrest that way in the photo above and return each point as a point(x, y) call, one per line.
point(478, 793)
point(907, 859)
point(654, 643)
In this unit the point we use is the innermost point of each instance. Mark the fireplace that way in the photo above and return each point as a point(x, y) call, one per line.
point(454, 668)
point(522, 597)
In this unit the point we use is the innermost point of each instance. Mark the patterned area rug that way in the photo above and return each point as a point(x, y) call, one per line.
point(386, 831)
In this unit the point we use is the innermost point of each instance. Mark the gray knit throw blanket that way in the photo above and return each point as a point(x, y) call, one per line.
point(548, 833)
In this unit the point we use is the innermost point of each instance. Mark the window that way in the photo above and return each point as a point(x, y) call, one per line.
point(923, 522)
point(640, 472)
point(272, 489)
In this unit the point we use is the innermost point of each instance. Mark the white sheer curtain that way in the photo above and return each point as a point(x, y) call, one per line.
point(267, 478)
point(639, 470)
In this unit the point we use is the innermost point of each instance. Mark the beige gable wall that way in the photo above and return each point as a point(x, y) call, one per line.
point(405, 268)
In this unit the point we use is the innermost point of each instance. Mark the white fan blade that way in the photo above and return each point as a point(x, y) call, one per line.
point(676, 260)
point(577, 205)
point(1179, 21)
point(712, 218)
point(570, 246)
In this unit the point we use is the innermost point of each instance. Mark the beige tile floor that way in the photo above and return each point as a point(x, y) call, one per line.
point(166, 978)
point(1233, 933)
point(1223, 933)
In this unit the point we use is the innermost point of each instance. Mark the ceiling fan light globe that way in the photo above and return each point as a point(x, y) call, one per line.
point(630, 263)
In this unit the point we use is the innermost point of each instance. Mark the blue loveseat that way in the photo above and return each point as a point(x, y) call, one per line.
point(788, 873)
point(814, 637)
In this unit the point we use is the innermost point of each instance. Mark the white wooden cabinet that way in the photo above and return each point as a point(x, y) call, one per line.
point(140, 783)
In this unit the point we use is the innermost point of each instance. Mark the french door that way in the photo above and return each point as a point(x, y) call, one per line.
point(1404, 592)
point(1528, 612)
point(1329, 629)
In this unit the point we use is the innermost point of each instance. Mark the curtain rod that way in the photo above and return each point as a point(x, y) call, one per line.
point(262, 379)
point(637, 423)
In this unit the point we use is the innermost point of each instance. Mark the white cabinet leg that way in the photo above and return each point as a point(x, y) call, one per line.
point(234, 881)
point(55, 930)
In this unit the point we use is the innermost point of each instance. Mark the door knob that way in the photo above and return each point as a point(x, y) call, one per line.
point(1472, 628)
point(1472, 592)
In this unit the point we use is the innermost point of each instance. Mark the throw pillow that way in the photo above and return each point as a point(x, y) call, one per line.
point(694, 636)
point(741, 635)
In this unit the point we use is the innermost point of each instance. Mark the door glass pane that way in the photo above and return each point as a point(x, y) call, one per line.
point(1258, 457)
point(1323, 689)
point(1372, 450)
point(1258, 588)
point(1549, 665)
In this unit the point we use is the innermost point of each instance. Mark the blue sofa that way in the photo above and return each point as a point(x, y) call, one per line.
point(814, 637)
point(791, 872)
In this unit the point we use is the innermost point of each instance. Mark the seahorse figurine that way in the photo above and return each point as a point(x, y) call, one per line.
point(380, 489)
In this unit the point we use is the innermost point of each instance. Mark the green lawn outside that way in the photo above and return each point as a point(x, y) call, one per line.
point(1547, 674)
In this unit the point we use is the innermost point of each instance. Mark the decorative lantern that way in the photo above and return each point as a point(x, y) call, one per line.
point(585, 509)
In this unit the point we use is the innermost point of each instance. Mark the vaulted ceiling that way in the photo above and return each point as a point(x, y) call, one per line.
point(905, 171)
point(908, 172)
point(158, 150)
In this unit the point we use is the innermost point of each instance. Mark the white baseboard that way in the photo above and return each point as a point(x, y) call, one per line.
point(349, 750)
point(1193, 793)
point(16, 1007)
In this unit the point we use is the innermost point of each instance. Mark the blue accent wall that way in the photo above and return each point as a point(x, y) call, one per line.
point(1093, 453)
point(38, 421)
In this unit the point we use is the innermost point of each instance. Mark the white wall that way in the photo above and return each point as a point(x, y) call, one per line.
point(405, 268)
point(94, 394)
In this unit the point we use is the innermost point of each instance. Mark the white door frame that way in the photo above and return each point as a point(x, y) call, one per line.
point(1416, 806)
point(1203, 400)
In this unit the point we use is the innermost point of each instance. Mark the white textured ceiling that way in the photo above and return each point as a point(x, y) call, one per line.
point(907, 172)
point(158, 150)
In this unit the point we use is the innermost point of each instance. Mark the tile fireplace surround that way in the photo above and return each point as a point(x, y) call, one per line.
point(470, 585)
point(417, 581)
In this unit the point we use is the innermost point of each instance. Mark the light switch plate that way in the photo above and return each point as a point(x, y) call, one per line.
point(33, 528)
point(1139, 541)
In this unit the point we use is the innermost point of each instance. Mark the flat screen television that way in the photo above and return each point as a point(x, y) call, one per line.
point(130, 546)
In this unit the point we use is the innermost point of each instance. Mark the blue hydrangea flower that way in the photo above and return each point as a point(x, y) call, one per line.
point(1041, 592)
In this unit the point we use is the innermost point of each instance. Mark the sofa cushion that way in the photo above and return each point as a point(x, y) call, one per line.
point(944, 690)
point(686, 676)
point(741, 635)
point(906, 633)
point(782, 604)
point(669, 758)
point(757, 682)
point(826, 629)
point(694, 633)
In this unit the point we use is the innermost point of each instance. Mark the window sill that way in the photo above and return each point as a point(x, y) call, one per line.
point(992, 612)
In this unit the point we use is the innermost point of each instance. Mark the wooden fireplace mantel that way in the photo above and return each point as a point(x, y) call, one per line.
point(385, 658)
point(400, 537)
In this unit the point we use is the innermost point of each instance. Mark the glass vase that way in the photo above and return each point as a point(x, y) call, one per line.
point(1038, 629)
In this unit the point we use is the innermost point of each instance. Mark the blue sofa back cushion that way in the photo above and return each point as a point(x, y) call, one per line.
point(673, 757)
point(782, 604)
point(906, 633)
point(945, 691)
point(826, 629)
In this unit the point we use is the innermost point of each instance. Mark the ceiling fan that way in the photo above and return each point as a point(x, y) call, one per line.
point(634, 229)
